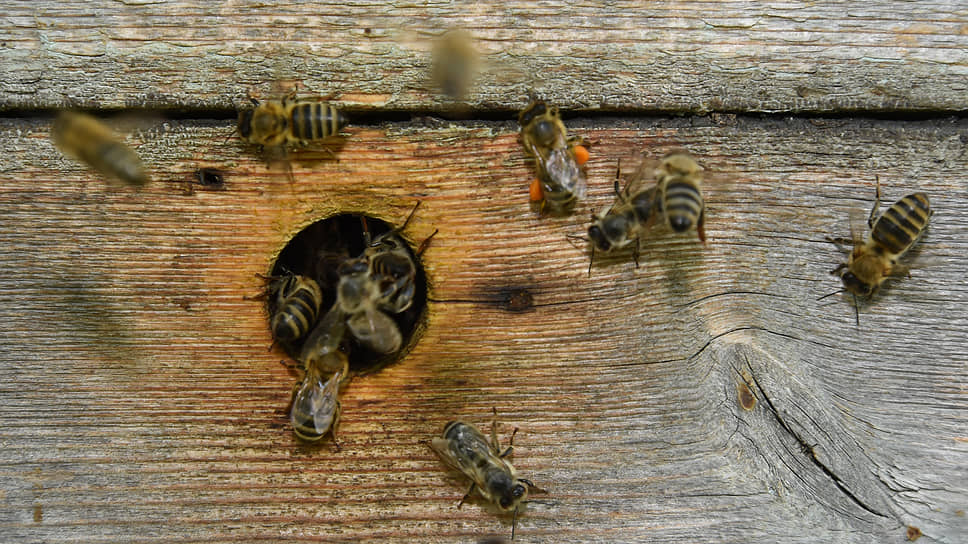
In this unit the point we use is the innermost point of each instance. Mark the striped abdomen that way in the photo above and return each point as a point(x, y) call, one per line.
point(298, 301)
point(315, 121)
point(680, 182)
point(901, 225)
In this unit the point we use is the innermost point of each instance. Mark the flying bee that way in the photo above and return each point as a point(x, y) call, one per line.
point(464, 448)
point(278, 123)
point(89, 140)
point(455, 63)
point(631, 215)
point(892, 234)
point(560, 181)
point(679, 182)
point(297, 303)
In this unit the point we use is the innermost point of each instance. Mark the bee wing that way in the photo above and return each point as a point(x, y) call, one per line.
point(562, 171)
point(858, 225)
point(315, 403)
point(376, 330)
point(325, 337)
point(445, 450)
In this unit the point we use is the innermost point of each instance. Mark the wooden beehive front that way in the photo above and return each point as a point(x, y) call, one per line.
point(705, 396)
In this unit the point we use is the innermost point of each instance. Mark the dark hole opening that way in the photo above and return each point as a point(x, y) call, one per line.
point(317, 252)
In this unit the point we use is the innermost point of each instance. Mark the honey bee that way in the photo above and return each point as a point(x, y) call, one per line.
point(455, 63)
point(679, 183)
point(297, 303)
point(622, 223)
point(276, 124)
point(315, 406)
point(561, 180)
point(463, 447)
point(392, 266)
point(358, 297)
point(892, 234)
point(89, 140)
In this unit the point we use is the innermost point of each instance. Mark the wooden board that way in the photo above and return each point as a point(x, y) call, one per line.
point(683, 56)
point(705, 396)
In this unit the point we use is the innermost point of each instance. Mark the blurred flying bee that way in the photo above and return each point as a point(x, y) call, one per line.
point(297, 303)
point(455, 63)
point(679, 183)
point(89, 140)
point(892, 234)
point(560, 181)
point(466, 449)
point(631, 215)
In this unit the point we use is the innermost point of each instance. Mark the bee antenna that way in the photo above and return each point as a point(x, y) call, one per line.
point(834, 293)
point(856, 312)
point(514, 521)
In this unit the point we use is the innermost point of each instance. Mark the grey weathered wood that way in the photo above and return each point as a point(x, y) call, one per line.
point(139, 402)
point(615, 56)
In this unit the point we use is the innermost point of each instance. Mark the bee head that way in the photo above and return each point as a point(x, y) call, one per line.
point(854, 285)
point(680, 223)
point(515, 494)
point(598, 238)
point(533, 111)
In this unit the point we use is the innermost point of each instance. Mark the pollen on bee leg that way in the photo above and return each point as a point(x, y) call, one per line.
point(537, 194)
point(581, 154)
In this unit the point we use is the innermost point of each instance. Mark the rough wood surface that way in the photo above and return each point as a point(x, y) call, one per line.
point(684, 56)
point(706, 396)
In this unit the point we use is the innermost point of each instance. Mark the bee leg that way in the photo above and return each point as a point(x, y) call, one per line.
point(856, 312)
point(836, 271)
point(510, 444)
point(701, 226)
point(877, 203)
point(841, 243)
point(590, 261)
point(335, 425)
point(466, 496)
point(514, 521)
point(635, 253)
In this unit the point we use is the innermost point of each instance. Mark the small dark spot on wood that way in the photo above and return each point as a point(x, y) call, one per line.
point(746, 398)
point(367, 31)
point(210, 177)
point(38, 513)
point(517, 299)
point(913, 533)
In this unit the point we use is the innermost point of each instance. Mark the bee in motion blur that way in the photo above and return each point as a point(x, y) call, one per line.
point(560, 180)
point(892, 234)
point(455, 63)
point(464, 448)
point(92, 142)
point(679, 185)
point(297, 303)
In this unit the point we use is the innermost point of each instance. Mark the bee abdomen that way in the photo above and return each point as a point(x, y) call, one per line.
point(316, 121)
point(902, 224)
point(120, 161)
point(297, 314)
point(683, 204)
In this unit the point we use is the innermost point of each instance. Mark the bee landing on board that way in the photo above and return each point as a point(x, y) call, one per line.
point(560, 181)
point(466, 449)
point(892, 234)
point(89, 140)
point(275, 125)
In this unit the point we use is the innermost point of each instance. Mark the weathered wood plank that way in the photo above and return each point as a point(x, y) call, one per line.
point(684, 56)
point(139, 402)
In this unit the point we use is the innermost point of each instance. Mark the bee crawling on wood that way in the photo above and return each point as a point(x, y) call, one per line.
point(91, 141)
point(275, 125)
point(560, 180)
point(464, 448)
point(892, 234)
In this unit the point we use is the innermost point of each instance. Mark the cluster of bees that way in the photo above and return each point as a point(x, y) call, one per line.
point(380, 281)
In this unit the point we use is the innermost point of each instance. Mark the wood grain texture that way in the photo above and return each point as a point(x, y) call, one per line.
point(706, 396)
point(682, 56)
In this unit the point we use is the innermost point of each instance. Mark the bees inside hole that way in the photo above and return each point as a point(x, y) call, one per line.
point(351, 284)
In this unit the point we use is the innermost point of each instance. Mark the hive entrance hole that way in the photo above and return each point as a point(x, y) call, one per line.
point(316, 252)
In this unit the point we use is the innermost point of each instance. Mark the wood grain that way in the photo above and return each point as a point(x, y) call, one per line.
point(139, 403)
point(682, 56)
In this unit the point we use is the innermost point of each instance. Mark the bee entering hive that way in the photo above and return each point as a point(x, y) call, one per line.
point(347, 286)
